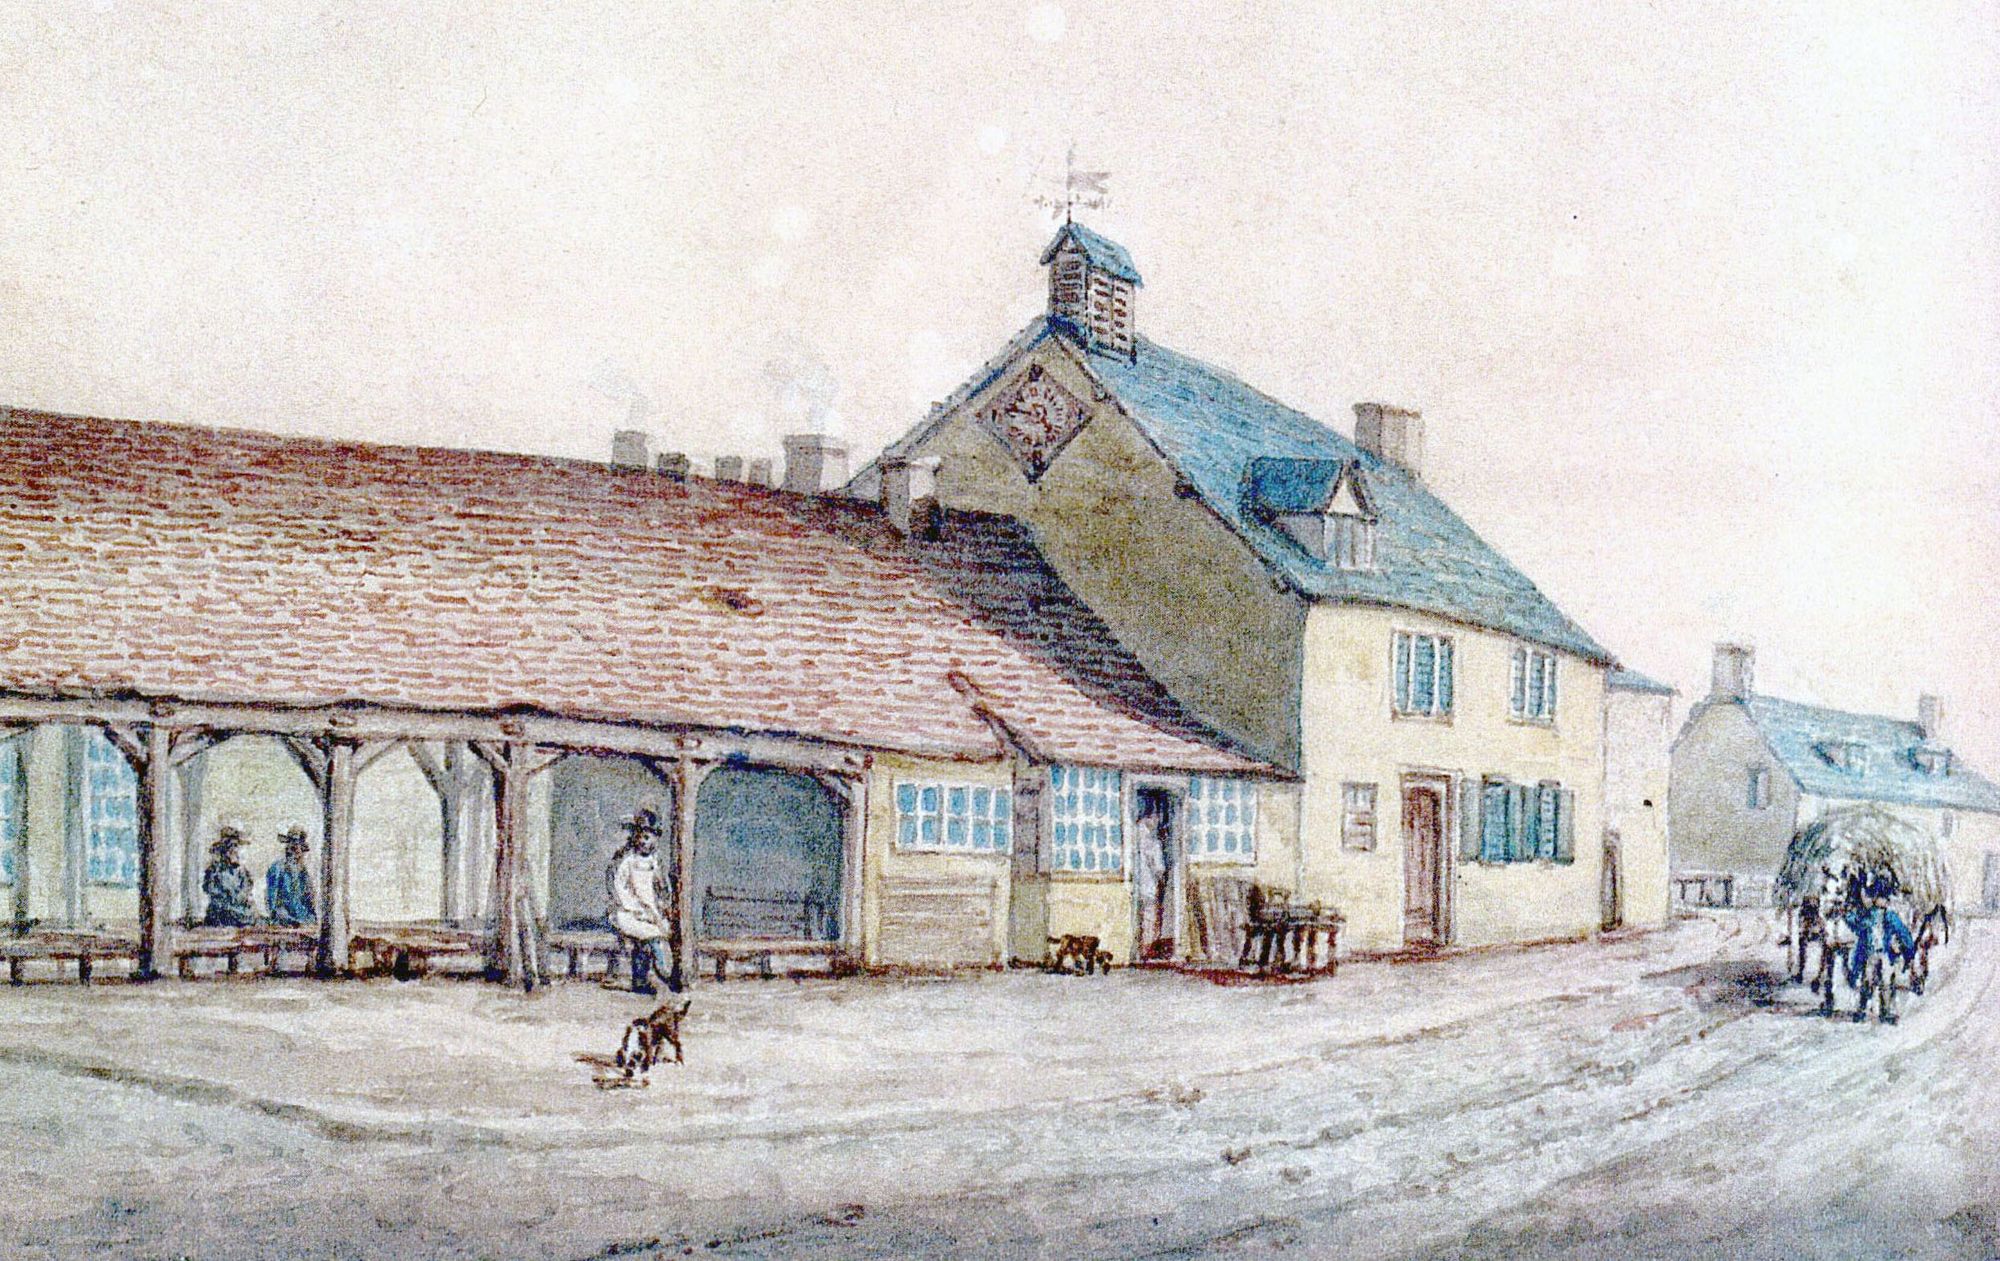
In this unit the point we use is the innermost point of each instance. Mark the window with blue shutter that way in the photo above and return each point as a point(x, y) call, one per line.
point(1423, 667)
point(954, 818)
point(1087, 807)
point(1532, 685)
point(1524, 823)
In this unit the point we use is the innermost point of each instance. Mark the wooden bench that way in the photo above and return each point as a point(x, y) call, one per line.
point(271, 941)
point(412, 950)
point(747, 926)
point(59, 946)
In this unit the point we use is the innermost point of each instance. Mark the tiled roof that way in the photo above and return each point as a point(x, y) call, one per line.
point(1620, 679)
point(226, 566)
point(1799, 736)
point(1102, 252)
point(1211, 426)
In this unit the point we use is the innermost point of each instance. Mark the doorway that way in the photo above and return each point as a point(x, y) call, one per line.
point(767, 856)
point(1423, 863)
point(1613, 915)
point(1156, 861)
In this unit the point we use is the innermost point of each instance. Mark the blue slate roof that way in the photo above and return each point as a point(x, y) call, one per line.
point(1622, 680)
point(1799, 734)
point(1104, 253)
point(1211, 427)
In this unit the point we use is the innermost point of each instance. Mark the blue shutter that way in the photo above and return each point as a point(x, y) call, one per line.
point(1517, 695)
point(1551, 710)
point(1493, 839)
point(1444, 676)
point(1423, 673)
point(1566, 825)
point(1519, 847)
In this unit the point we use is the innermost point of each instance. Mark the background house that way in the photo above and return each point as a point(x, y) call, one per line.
point(1749, 770)
point(1307, 594)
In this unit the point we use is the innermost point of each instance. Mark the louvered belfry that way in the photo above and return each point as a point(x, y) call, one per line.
point(1092, 287)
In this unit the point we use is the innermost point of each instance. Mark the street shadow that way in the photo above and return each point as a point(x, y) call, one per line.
point(1741, 985)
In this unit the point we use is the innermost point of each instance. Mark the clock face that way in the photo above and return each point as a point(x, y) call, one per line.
point(1035, 417)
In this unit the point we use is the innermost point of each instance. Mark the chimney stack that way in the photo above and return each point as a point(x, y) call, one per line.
point(628, 448)
point(728, 468)
point(673, 464)
point(814, 463)
point(1733, 677)
point(909, 494)
point(759, 473)
point(1395, 434)
point(1930, 718)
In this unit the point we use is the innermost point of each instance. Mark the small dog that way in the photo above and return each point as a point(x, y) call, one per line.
point(1078, 949)
point(1104, 962)
point(645, 1039)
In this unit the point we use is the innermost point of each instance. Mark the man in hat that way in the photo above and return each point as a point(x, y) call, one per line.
point(633, 883)
point(226, 882)
point(288, 884)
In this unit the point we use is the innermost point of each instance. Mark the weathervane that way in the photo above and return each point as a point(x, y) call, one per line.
point(1088, 189)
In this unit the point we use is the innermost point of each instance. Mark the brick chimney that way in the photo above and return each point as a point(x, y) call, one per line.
point(628, 448)
point(728, 468)
point(674, 464)
point(1930, 718)
point(1733, 678)
point(814, 463)
point(1395, 434)
point(909, 494)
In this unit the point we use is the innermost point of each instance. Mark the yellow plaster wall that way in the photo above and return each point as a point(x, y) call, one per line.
point(1637, 734)
point(1176, 586)
point(1350, 735)
point(883, 865)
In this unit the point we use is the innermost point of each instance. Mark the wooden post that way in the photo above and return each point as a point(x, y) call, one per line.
point(512, 955)
point(156, 830)
point(687, 782)
point(336, 924)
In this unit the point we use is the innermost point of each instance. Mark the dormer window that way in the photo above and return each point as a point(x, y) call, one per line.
point(1932, 760)
point(1321, 505)
point(1848, 755)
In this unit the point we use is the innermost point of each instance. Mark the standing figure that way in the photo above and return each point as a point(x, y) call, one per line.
point(633, 886)
point(288, 884)
point(226, 883)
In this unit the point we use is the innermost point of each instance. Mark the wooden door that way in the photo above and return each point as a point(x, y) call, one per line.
point(1612, 915)
point(1423, 865)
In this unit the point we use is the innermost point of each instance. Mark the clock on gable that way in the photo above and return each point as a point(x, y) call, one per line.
point(1035, 417)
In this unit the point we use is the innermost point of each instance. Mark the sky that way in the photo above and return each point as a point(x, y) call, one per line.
point(1701, 303)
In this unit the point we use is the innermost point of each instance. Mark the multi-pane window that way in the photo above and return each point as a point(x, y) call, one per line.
point(1532, 694)
point(111, 799)
point(1350, 541)
point(1423, 674)
point(1524, 822)
point(1088, 809)
point(1357, 816)
point(1222, 820)
point(968, 818)
point(1760, 787)
point(13, 807)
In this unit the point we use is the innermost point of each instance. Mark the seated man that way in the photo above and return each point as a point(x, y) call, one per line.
point(288, 884)
point(635, 913)
point(226, 883)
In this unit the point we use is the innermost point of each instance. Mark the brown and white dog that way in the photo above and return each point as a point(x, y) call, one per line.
point(1081, 950)
point(647, 1037)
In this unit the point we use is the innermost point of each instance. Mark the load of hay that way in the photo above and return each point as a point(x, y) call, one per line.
point(1873, 839)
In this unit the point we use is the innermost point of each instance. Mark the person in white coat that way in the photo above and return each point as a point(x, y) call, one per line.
point(633, 884)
